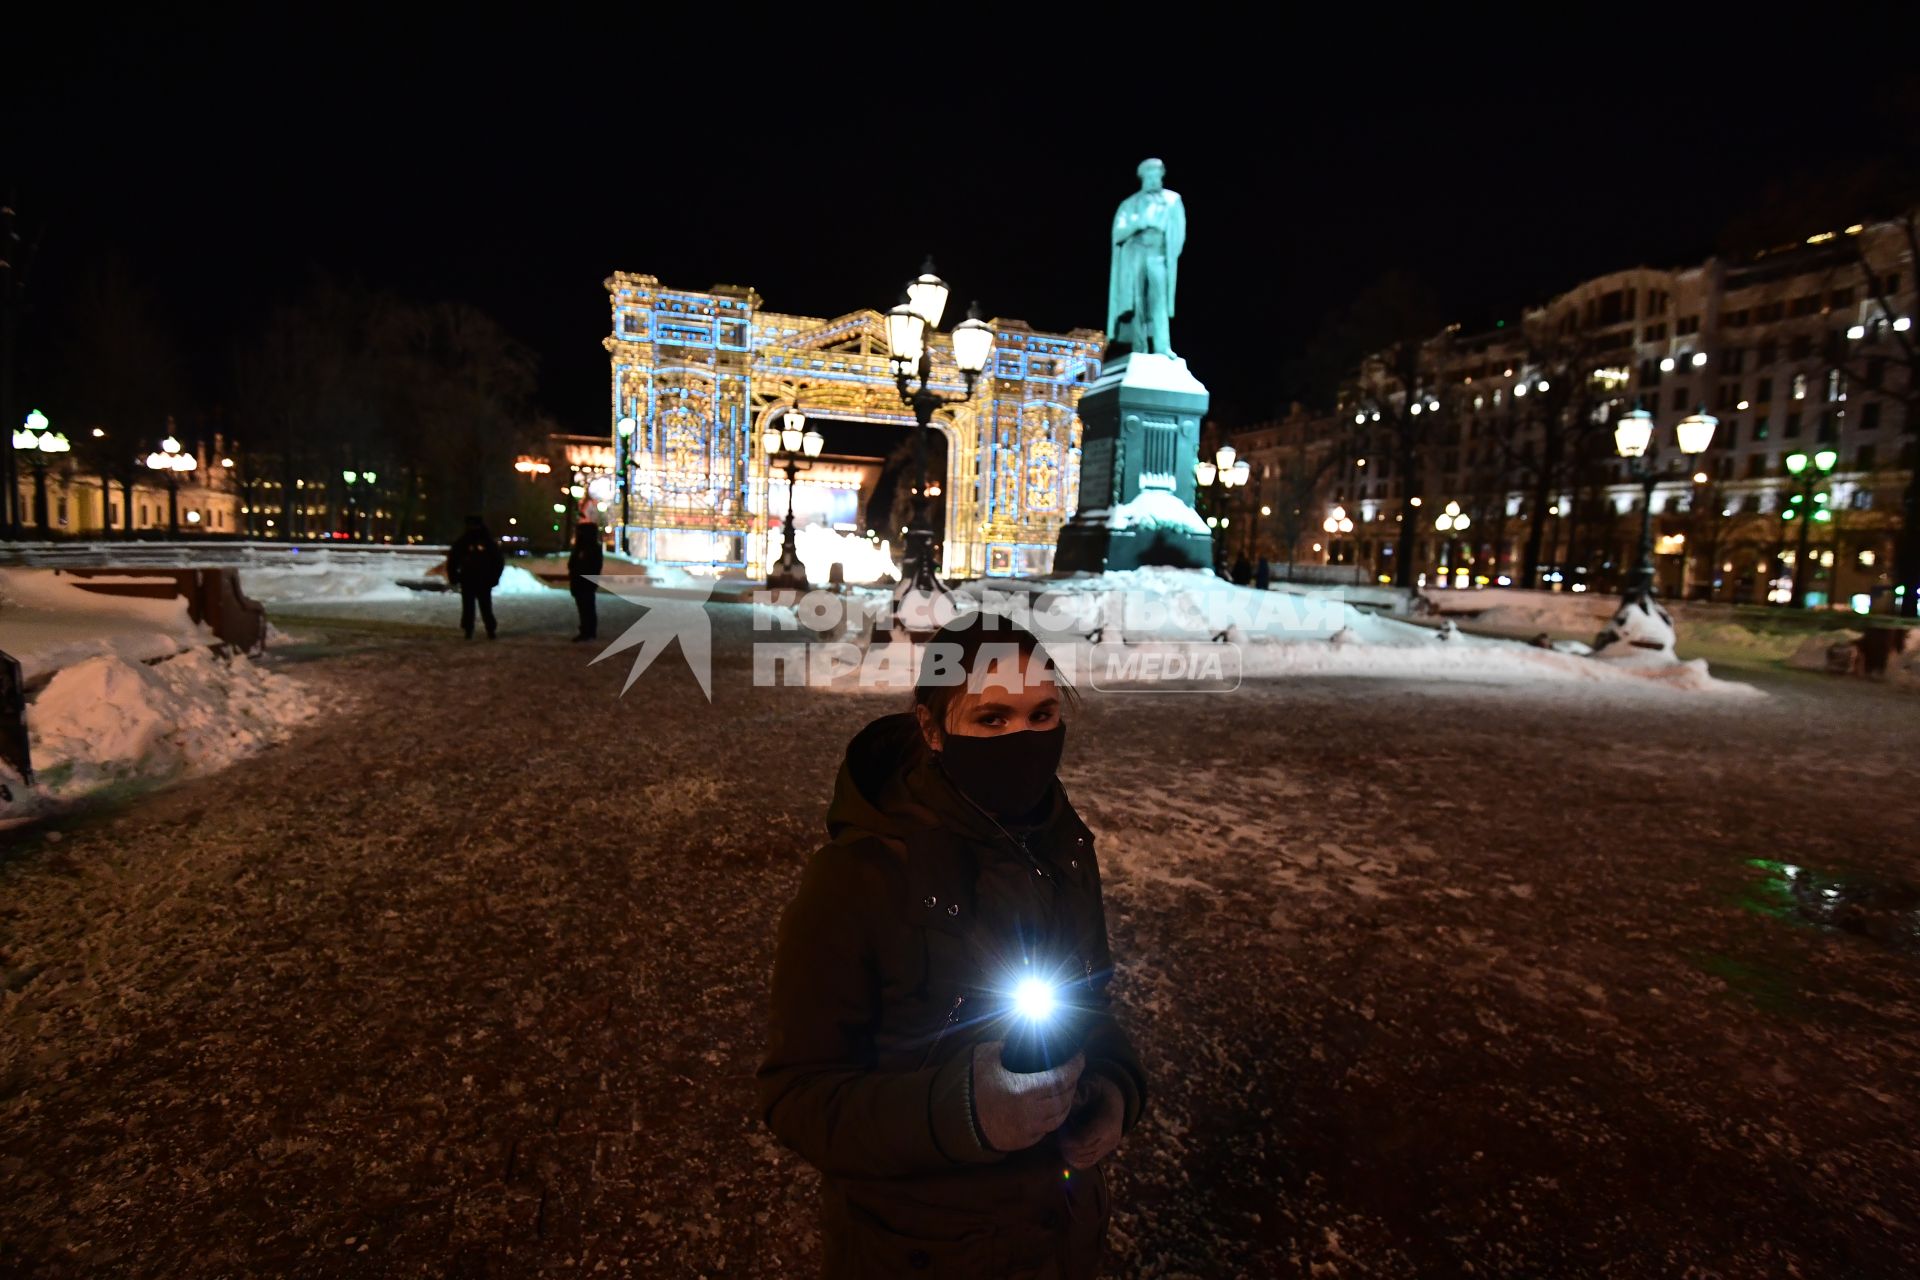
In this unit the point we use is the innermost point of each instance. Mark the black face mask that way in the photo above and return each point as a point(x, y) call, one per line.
point(1007, 774)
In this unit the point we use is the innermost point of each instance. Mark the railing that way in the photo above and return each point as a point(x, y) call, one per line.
point(193, 554)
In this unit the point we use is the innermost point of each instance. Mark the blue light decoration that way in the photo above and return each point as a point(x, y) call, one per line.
point(700, 371)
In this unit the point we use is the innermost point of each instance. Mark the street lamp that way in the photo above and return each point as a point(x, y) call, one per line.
point(910, 329)
point(39, 444)
point(172, 462)
point(623, 432)
point(789, 439)
point(1229, 472)
point(1633, 441)
point(1451, 521)
point(1808, 508)
point(1337, 522)
point(353, 508)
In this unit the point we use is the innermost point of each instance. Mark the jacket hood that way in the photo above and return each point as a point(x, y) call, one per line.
point(871, 794)
point(890, 786)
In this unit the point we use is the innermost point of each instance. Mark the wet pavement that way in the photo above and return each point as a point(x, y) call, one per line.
point(1432, 979)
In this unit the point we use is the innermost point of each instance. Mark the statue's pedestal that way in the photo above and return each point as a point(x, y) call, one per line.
point(1140, 439)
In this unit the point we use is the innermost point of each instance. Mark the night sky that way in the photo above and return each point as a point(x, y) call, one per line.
point(515, 168)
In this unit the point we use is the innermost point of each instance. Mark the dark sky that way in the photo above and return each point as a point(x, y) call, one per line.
point(515, 167)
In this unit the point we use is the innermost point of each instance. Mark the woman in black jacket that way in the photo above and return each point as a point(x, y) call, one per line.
point(582, 565)
point(956, 876)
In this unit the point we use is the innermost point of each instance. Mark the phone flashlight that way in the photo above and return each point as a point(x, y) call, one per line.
point(1041, 1032)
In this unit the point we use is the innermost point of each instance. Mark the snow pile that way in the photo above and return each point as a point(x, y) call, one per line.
point(1162, 603)
point(515, 581)
point(320, 577)
point(1154, 509)
point(48, 621)
point(1189, 627)
point(107, 720)
point(1515, 609)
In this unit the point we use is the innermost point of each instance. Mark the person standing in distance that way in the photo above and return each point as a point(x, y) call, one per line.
point(583, 565)
point(474, 565)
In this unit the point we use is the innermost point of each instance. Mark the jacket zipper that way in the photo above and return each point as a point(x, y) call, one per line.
point(953, 1013)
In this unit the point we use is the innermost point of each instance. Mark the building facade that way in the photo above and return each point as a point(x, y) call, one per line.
point(80, 502)
point(1798, 350)
point(701, 374)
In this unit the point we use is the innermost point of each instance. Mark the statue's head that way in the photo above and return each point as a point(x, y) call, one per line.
point(1152, 173)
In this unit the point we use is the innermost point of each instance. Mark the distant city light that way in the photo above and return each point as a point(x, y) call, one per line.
point(1699, 359)
point(1667, 365)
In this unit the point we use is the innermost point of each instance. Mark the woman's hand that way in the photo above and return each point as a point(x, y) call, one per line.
point(1014, 1110)
point(1094, 1130)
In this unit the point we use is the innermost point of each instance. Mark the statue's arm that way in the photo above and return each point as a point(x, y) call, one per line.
point(1177, 228)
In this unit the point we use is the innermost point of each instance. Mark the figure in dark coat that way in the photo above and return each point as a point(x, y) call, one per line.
point(474, 565)
point(1263, 574)
point(882, 1067)
point(583, 565)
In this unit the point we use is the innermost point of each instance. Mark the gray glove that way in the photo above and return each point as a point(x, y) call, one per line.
point(1013, 1111)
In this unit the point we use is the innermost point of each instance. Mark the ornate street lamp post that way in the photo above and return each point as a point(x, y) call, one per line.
point(38, 443)
point(788, 441)
point(1227, 473)
point(1808, 508)
point(1633, 440)
point(910, 329)
point(624, 463)
point(353, 507)
point(1337, 524)
point(172, 462)
point(1452, 521)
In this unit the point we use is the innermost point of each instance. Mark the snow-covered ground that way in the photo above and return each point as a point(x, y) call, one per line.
point(1431, 978)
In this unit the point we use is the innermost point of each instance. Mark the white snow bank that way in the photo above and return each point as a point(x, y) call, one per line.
point(1459, 657)
point(1177, 604)
point(107, 720)
point(515, 581)
point(321, 577)
point(1157, 625)
point(48, 621)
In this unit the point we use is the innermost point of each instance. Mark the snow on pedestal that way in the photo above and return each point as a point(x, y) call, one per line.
point(1153, 509)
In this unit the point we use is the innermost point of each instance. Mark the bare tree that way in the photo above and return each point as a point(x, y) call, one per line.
point(1385, 358)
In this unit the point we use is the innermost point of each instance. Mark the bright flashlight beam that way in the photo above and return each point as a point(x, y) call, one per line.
point(1033, 999)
